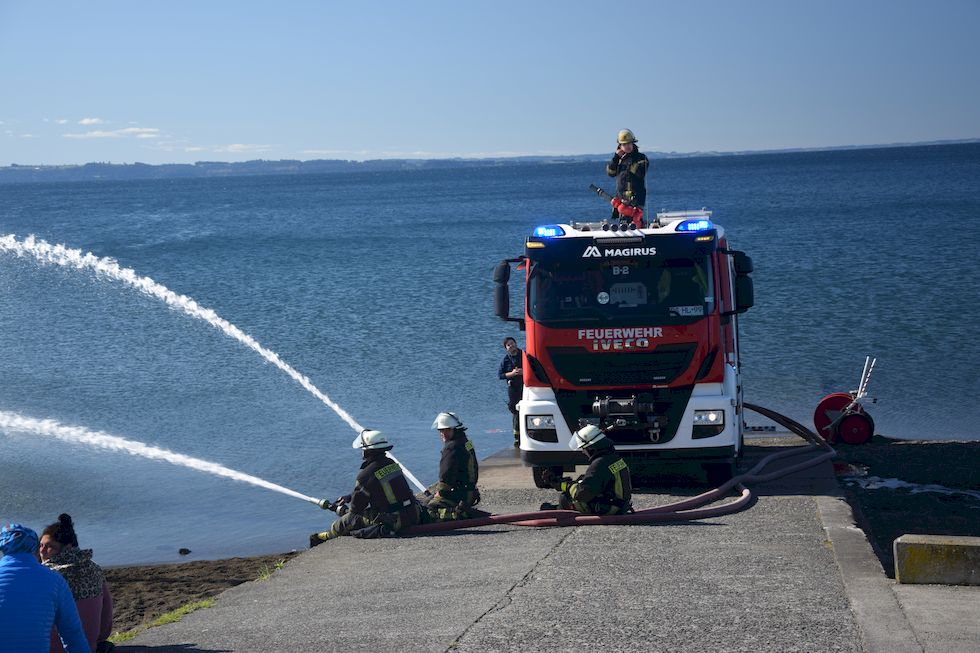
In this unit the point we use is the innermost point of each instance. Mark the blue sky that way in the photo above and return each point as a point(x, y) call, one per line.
point(181, 81)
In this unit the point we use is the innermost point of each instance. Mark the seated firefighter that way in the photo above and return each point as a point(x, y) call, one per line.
point(381, 503)
point(604, 488)
point(455, 493)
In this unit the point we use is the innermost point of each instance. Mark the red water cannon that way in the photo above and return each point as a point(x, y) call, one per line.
point(840, 417)
point(632, 213)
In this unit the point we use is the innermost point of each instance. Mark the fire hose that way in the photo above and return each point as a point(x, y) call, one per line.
point(696, 507)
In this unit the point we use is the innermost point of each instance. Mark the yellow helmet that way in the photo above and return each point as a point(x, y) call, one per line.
point(626, 136)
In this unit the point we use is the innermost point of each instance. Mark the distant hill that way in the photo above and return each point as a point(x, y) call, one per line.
point(203, 169)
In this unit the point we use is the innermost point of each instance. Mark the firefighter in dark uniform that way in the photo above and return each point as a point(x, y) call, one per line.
point(455, 492)
point(511, 370)
point(381, 503)
point(604, 489)
point(629, 167)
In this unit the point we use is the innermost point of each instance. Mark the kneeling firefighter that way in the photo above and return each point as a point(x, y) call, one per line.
point(604, 488)
point(381, 503)
point(455, 492)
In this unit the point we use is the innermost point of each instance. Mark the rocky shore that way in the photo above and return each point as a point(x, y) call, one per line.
point(141, 594)
point(911, 486)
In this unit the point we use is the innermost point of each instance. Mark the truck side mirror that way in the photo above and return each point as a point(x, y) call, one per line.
point(501, 301)
point(501, 292)
point(501, 273)
point(744, 293)
point(743, 263)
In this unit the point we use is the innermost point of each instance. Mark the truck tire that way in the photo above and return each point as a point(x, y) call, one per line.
point(719, 473)
point(536, 474)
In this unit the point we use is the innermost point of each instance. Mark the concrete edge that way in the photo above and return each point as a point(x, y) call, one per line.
point(937, 559)
point(881, 621)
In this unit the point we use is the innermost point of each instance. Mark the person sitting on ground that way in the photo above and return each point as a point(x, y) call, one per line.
point(605, 487)
point(33, 599)
point(381, 503)
point(455, 492)
point(59, 552)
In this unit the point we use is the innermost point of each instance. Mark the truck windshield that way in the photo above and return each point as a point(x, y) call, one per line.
point(668, 291)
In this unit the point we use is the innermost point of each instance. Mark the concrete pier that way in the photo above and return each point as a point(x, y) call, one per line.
point(791, 573)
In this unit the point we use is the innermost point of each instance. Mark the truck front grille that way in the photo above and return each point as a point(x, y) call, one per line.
point(661, 366)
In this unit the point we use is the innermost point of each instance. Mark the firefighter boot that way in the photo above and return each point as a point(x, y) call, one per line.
point(319, 538)
point(549, 506)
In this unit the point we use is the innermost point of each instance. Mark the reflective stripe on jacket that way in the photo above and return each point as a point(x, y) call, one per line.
point(605, 486)
point(630, 173)
point(381, 486)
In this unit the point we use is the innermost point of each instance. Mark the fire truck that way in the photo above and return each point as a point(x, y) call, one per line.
point(632, 326)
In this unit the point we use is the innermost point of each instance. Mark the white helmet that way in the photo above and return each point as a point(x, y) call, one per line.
point(586, 437)
point(447, 420)
point(369, 439)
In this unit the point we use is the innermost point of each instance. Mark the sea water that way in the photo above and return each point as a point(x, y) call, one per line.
point(377, 288)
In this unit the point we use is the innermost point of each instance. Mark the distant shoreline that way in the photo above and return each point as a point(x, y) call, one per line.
point(107, 171)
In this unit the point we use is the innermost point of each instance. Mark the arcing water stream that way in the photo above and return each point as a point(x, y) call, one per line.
point(44, 252)
point(60, 255)
point(78, 435)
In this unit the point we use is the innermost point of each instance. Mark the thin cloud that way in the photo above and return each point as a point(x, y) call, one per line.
point(419, 154)
point(239, 148)
point(325, 152)
point(133, 132)
point(140, 132)
point(91, 121)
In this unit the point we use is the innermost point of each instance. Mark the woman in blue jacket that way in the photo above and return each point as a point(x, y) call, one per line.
point(33, 599)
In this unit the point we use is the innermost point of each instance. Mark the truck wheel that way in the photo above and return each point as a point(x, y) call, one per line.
point(536, 474)
point(719, 473)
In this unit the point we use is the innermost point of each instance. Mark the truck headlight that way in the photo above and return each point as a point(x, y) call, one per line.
point(708, 423)
point(541, 428)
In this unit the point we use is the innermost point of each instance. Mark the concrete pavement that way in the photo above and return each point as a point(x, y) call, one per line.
point(791, 573)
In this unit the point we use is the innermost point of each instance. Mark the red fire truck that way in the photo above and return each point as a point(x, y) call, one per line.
point(632, 326)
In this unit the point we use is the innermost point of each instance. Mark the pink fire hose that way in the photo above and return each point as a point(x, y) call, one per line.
point(692, 508)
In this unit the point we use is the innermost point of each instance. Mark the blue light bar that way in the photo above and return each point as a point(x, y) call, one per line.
point(549, 231)
point(695, 225)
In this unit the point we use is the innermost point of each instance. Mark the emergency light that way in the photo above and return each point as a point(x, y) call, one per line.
point(549, 231)
point(695, 225)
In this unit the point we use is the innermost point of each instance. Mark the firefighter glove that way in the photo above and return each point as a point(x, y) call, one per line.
point(548, 477)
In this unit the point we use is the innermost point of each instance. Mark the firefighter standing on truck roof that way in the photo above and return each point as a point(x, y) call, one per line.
point(455, 492)
point(604, 489)
point(381, 503)
point(629, 167)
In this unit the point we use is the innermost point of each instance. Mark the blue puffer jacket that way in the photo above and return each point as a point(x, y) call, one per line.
point(32, 599)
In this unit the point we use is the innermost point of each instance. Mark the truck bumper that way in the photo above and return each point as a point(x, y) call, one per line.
point(697, 455)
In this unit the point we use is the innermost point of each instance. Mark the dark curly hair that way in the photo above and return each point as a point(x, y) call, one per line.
point(62, 531)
